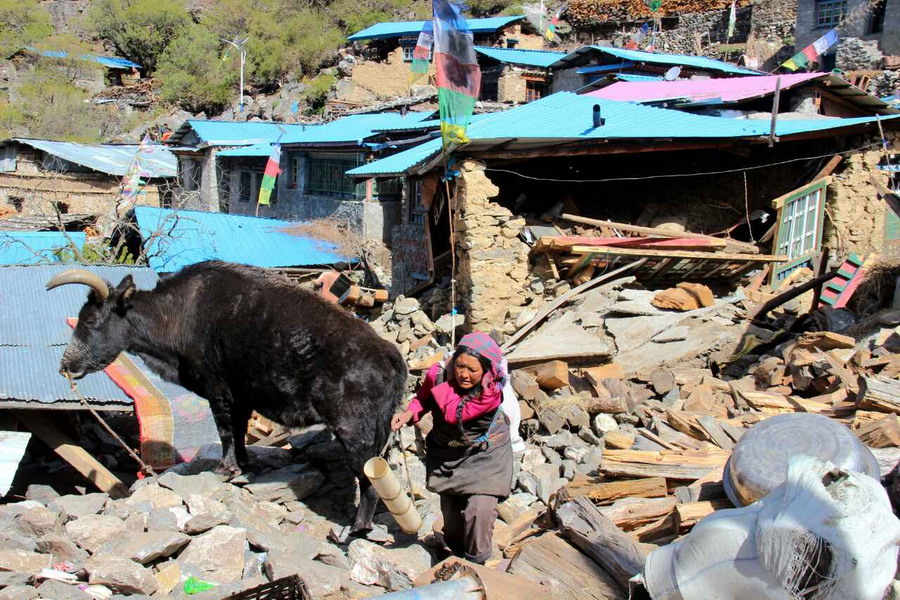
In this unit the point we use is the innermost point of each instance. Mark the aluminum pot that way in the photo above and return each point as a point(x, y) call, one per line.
point(760, 459)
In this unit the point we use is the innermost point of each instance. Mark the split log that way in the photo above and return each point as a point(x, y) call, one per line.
point(598, 537)
point(551, 375)
point(879, 393)
point(679, 466)
point(616, 440)
point(883, 433)
point(506, 536)
point(631, 513)
point(708, 487)
point(715, 432)
point(564, 571)
point(688, 515)
point(605, 492)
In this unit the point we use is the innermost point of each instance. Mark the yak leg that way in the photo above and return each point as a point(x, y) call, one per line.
point(227, 417)
point(359, 450)
point(240, 418)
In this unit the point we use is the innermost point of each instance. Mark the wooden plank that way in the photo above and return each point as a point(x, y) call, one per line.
point(44, 429)
point(598, 537)
point(883, 433)
point(707, 487)
point(690, 514)
point(564, 243)
point(879, 393)
point(718, 436)
point(606, 492)
point(743, 246)
point(507, 535)
point(574, 292)
point(717, 256)
point(551, 375)
point(566, 573)
point(679, 466)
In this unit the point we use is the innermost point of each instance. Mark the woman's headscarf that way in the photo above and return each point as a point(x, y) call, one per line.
point(485, 345)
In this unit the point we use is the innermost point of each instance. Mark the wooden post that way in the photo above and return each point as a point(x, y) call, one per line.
point(72, 453)
point(775, 104)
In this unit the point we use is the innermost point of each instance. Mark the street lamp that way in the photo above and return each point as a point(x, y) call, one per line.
point(239, 44)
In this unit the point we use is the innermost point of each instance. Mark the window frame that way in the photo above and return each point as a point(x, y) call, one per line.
point(343, 187)
point(535, 90)
point(799, 244)
point(830, 13)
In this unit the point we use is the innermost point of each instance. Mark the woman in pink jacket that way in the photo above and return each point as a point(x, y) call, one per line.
point(468, 454)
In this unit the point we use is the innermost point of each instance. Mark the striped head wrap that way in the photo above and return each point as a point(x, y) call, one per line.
point(485, 345)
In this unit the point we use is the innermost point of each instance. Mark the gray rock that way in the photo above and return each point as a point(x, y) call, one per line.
point(38, 521)
point(448, 322)
point(75, 507)
point(8, 578)
point(93, 531)
point(155, 495)
point(162, 519)
point(18, 592)
point(561, 440)
point(333, 556)
point(137, 522)
point(548, 481)
point(321, 579)
point(635, 308)
point(61, 548)
point(254, 565)
point(673, 334)
point(525, 317)
point(591, 460)
point(57, 590)
point(314, 434)
point(206, 483)
point(528, 483)
point(420, 319)
point(121, 575)
point(551, 455)
point(218, 554)
point(405, 306)
point(41, 493)
point(144, 547)
point(532, 457)
point(204, 522)
point(13, 540)
point(568, 469)
point(200, 505)
point(515, 505)
point(604, 423)
point(295, 482)
point(589, 437)
point(23, 561)
point(576, 452)
point(392, 568)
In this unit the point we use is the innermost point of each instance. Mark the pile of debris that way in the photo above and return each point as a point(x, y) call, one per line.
point(187, 531)
point(421, 341)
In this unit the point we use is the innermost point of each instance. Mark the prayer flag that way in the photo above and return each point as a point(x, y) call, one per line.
point(635, 41)
point(422, 51)
point(812, 52)
point(458, 74)
point(732, 19)
point(271, 172)
point(132, 184)
point(550, 33)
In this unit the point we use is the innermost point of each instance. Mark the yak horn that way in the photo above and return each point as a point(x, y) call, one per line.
point(83, 277)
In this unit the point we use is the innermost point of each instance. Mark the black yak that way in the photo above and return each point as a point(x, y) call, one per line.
point(247, 340)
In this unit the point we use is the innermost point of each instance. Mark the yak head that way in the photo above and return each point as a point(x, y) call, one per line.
point(103, 330)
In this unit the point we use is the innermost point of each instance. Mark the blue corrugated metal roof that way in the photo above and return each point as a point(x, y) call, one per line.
point(36, 247)
point(631, 77)
point(113, 159)
point(112, 62)
point(194, 236)
point(256, 150)
point(566, 117)
point(387, 30)
point(34, 333)
point(234, 133)
point(686, 60)
point(428, 124)
point(354, 128)
point(531, 58)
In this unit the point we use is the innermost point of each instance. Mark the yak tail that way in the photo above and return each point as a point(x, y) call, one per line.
point(393, 397)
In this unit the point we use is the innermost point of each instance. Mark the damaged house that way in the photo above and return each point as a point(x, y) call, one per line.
point(45, 177)
point(313, 183)
point(647, 167)
point(513, 75)
point(90, 72)
point(202, 184)
point(381, 70)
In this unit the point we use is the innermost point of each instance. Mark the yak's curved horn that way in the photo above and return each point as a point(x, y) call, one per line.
point(83, 277)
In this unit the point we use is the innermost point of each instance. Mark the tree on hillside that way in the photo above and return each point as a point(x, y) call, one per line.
point(139, 30)
point(285, 38)
point(192, 73)
point(22, 23)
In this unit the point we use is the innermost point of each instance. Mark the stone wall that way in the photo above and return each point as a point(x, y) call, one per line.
point(856, 25)
point(373, 80)
point(511, 85)
point(855, 215)
point(492, 263)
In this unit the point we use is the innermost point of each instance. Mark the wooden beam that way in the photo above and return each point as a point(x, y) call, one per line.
point(678, 254)
point(655, 231)
point(829, 167)
point(44, 429)
point(604, 492)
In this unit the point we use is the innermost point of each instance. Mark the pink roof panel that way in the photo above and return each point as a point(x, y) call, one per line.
point(732, 89)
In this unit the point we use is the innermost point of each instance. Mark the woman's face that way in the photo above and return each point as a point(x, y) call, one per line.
point(467, 371)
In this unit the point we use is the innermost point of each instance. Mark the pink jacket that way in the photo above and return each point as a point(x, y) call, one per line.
point(445, 398)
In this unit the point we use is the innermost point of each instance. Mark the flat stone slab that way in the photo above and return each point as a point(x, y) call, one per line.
point(145, 547)
point(560, 339)
point(218, 554)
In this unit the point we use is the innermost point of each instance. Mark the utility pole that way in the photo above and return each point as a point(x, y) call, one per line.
point(239, 44)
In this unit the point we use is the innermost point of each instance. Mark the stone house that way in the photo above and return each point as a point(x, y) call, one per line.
point(642, 165)
point(513, 75)
point(44, 177)
point(385, 51)
point(869, 31)
point(90, 72)
point(314, 159)
point(202, 183)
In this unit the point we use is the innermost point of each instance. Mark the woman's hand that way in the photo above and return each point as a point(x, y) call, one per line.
point(401, 419)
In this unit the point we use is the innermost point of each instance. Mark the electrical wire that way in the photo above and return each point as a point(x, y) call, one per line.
point(669, 175)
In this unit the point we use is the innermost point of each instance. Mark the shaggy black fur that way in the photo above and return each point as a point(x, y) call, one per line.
point(248, 340)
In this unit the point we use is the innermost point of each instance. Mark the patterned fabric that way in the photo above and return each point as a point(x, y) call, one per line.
point(484, 345)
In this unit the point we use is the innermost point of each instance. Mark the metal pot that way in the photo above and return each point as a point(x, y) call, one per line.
point(760, 459)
